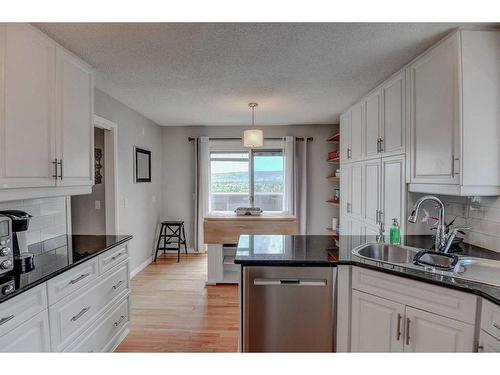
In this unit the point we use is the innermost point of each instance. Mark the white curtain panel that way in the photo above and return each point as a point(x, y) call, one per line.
point(300, 185)
point(289, 161)
point(202, 181)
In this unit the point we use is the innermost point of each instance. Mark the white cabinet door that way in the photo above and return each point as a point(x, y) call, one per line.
point(75, 130)
point(435, 114)
point(371, 190)
point(355, 207)
point(393, 191)
point(32, 336)
point(357, 230)
point(431, 333)
point(356, 114)
point(487, 343)
point(27, 140)
point(371, 121)
point(345, 137)
point(392, 129)
point(377, 324)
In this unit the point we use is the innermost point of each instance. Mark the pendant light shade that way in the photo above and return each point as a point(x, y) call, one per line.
point(253, 137)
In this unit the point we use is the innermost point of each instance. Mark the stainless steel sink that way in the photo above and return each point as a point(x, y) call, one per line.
point(387, 253)
point(479, 269)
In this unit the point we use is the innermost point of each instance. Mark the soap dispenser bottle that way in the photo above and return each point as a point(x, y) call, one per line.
point(394, 233)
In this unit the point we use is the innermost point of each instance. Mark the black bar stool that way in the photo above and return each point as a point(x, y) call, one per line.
point(172, 232)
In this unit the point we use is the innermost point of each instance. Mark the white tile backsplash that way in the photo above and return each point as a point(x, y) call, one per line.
point(482, 215)
point(49, 217)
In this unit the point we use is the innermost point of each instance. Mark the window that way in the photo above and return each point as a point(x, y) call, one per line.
point(247, 179)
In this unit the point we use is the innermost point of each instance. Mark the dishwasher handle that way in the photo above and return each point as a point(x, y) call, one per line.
point(295, 282)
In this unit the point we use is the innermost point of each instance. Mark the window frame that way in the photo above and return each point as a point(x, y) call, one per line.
point(231, 147)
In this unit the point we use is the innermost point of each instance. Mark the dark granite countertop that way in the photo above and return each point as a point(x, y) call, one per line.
point(297, 251)
point(57, 255)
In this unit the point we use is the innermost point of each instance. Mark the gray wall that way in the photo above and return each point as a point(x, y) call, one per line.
point(85, 218)
point(179, 175)
point(144, 200)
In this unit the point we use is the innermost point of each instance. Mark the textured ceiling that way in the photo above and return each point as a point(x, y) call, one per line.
point(206, 73)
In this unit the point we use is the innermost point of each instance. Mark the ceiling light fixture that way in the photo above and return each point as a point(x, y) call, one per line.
point(253, 137)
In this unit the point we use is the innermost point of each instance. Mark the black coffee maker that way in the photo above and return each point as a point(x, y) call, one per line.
point(23, 260)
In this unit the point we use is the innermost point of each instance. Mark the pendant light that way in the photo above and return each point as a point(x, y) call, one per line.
point(253, 137)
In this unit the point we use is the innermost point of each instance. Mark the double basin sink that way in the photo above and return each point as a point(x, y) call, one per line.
point(469, 268)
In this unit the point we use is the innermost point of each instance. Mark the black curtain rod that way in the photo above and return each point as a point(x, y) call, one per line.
point(190, 139)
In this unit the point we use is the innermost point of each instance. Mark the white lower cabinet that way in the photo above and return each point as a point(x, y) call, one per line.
point(376, 324)
point(432, 333)
point(487, 343)
point(86, 309)
point(384, 320)
point(30, 337)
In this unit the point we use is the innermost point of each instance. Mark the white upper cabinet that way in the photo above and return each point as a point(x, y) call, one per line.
point(393, 124)
point(356, 137)
point(454, 91)
point(75, 131)
point(27, 123)
point(46, 131)
point(371, 121)
point(345, 137)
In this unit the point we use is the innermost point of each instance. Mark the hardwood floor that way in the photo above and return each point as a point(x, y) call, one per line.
point(173, 310)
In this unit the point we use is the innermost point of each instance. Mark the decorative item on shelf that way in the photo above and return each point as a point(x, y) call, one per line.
point(253, 137)
point(333, 155)
point(335, 222)
point(98, 166)
point(337, 173)
point(336, 195)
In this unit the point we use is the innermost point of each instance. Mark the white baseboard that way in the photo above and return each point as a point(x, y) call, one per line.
point(140, 267)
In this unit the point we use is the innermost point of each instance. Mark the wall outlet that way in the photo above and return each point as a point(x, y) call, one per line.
point(97, 205)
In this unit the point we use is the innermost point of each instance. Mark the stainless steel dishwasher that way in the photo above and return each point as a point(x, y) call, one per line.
point(288, 309)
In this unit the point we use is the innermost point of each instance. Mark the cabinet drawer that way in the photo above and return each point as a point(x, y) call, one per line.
point(439, 300)
point(73, 314)
point(30, 337)
point(490, 318)
point(69, 281)
point(19, 309)
point(104, 331)
point(112, 257)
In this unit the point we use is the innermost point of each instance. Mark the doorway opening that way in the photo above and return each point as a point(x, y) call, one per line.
point(97, 213)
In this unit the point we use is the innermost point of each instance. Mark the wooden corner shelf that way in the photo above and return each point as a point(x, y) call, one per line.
point(334, 160)
point(333, 203)
point(332, 232)
point(334, 138)
point(333, 178)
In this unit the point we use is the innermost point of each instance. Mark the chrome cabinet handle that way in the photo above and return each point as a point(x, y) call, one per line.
point(79, 315)
point(480, 348)
point(54, 163)
point(348, 153)
point(348, 207)
point(453, 159)
point(496, 325)
point(398, 333)
point(60, 163)
point(119, 320)
point(116, 256)
point(378, 145)
point(381, 143)
point(81, 277)
point(381, 216)
point(118, 284)
point(5, 320)
point(408, 331)
point(377, 216)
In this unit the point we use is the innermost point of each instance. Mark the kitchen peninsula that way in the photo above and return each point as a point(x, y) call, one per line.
point(221, 233)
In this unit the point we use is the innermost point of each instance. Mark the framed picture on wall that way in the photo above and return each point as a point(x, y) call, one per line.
point(142, 165)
